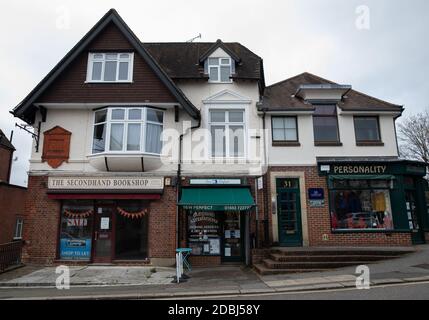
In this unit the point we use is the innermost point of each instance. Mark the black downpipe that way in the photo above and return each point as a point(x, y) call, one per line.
point(179, 180)
point(265, 185)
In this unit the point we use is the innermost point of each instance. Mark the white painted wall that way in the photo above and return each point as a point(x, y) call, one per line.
point(306, 153)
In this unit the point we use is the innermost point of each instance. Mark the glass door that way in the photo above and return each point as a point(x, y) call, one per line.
point(103, 233)
point(289, 212)
point(232, 237)
point(413, 218)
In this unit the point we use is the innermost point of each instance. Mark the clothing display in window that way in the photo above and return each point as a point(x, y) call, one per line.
point(361, 208)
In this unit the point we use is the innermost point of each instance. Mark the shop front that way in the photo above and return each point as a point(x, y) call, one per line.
point(104, 225)
point(217, 222)
point(386, 196)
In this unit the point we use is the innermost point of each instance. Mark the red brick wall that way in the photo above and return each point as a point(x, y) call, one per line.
point(11, 207)
point(42, 222)
point(319, 219)
point(162, 225)
point(4, 163)
point(70, 86)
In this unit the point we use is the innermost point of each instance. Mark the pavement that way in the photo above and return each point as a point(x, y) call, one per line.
point(113, 282)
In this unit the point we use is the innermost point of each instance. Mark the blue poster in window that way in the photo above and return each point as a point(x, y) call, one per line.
point(75, 249)
point(316, 194)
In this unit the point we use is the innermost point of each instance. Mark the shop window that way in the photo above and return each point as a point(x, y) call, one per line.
point(204, 233)
point(76, 230)
point(361, 205)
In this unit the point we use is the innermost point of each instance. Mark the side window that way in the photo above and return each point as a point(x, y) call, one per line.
point(367, 129)
point(18, 229)
point(284, 129)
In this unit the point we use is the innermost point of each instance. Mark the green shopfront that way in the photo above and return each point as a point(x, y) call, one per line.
point(216, 222)
point(377, 195)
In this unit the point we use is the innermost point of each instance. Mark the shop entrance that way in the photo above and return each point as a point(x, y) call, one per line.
point(232, 240)
point(103, 233)
point(417, 235)
point(131, 229)
point(289, 212)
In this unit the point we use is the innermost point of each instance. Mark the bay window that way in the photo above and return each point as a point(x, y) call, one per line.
point(227, 133)
point(132, 129)
point(110, 67)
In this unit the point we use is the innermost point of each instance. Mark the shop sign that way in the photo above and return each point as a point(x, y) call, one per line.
point(75, 249)
point(105, 183)
point(217, 208)
point(316, 194)
point(359, 169)
point(317, 203)
point(215, 181)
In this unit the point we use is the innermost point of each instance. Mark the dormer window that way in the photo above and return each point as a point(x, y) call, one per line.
point(219, 69)
point(110, 67)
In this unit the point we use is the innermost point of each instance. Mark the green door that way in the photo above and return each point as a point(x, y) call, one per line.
point(289, 212)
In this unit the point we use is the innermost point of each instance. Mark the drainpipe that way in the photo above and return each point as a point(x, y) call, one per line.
point(9, 171)
point(179, 175)
point(265, 194)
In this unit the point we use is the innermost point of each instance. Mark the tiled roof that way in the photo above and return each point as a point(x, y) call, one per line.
point(280, 96)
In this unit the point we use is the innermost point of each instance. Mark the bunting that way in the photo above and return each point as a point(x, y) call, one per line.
point(132, 215)
point(79, 215)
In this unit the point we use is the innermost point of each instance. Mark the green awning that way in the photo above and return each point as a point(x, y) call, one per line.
point(216, 199)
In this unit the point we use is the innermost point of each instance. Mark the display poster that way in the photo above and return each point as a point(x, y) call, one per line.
point(75, 249)
point(104, 223)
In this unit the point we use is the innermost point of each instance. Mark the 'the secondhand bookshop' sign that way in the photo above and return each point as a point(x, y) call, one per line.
point(103, 183)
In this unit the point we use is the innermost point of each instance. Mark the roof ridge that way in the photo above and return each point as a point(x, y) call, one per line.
point(285, 80)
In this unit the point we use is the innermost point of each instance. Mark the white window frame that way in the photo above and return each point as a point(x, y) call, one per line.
point(18, 223)
point(218, 67)
point(91, 61)
point(227, 124)
point(143, 123)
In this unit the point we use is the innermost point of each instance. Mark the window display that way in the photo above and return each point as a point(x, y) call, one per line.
point(76, 230)
point(361, 204)
point(204, 233)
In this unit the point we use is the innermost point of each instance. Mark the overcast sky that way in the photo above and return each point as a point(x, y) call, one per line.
point(389, 60)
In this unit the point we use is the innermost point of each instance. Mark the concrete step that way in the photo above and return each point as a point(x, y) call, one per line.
point(333, 258)
point(263, 270)
point(340, 252)
point(272, 264)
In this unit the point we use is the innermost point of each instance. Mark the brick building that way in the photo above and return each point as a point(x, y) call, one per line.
point(147, 147)
point(11, 196)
